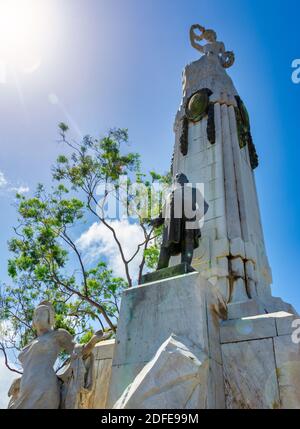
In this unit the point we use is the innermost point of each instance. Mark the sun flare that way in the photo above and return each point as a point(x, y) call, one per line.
point(21, 33)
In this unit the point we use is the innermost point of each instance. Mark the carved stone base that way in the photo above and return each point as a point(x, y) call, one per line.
point(165, 273)
point(185, 307)
point(173, 350)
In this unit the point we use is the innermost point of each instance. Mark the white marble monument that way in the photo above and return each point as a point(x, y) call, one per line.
point(211, 338)
point(216, 337)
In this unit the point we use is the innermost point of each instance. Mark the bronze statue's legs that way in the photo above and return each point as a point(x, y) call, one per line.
point(188, 247)
point(164, 258)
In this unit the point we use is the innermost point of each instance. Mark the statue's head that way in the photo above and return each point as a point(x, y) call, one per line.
point(181, 179)
point(210, 35)
point(44, 317)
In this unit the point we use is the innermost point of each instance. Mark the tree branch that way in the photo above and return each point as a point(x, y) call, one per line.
point(2, 348)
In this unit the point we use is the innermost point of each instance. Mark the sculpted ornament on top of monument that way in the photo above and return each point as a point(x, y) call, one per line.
point(214, 47)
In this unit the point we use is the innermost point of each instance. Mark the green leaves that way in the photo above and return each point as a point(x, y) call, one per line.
point(151, 256)
point(63, 127)
point(93, 160)
point(86, 337)
point(12, 269)
point(46, 262)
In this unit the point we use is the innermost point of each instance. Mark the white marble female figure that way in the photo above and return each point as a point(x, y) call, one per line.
point(213, 48)
point(39, 387)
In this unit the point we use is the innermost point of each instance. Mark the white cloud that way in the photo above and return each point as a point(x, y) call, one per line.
point(98, 242)
point(6, 378)
point(20, 190)
point(3, 181)
point(6, 186)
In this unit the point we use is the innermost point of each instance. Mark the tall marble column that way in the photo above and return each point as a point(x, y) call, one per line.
point(213, 145)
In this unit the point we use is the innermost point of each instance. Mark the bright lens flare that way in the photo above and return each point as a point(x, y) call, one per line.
point(21, 33)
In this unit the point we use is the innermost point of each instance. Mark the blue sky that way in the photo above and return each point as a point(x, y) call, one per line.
point(97, 64)
point(102, 64)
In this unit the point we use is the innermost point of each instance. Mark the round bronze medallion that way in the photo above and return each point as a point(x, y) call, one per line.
point(197, 106)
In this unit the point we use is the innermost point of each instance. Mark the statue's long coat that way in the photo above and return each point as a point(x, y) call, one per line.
point(175, 221)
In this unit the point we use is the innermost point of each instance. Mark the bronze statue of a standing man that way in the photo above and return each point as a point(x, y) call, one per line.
point(184, 208)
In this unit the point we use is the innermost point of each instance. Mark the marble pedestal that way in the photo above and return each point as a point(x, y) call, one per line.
point(179, 318)
point(261, 361)
point(176, 347)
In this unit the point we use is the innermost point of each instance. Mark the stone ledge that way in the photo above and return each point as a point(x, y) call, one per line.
point(238, 310)
point(237, 330)
point(256, 327)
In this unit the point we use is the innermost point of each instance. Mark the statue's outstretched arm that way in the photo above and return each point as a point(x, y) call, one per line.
point(196, 37)
point(88, 348)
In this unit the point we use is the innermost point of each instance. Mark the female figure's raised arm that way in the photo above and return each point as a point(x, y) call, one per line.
point(196, 37)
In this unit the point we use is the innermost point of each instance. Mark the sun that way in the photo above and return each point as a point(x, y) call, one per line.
point(21, 33)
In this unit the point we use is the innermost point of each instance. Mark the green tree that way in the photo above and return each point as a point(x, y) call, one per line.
point(47, 262)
